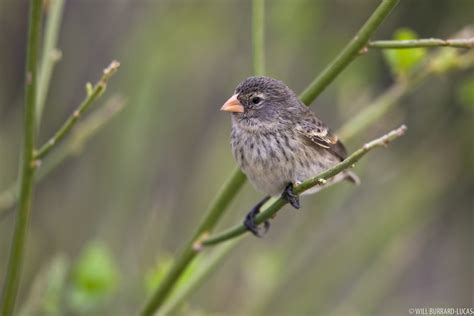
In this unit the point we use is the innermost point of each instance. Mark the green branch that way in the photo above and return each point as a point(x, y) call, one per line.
point(50, 55)
point(27, 167)
point(419, 43)
point(206, 266)
point(270, 211)
point(439, 62)
point(349, 52)
point(92, 95)
point(258, 38)
point(213, 214)
point(73, 146)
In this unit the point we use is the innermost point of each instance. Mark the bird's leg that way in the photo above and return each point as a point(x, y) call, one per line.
point(290, 197)
point(249, 221)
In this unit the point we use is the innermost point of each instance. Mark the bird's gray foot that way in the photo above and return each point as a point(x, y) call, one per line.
point(290, 197)
point(250, 223)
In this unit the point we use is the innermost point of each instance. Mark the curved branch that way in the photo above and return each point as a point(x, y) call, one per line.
point(277, 204)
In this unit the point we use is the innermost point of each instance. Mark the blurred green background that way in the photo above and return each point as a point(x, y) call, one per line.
point(107, 222)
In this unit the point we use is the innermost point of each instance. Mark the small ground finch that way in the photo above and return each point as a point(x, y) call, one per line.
point(278, 142)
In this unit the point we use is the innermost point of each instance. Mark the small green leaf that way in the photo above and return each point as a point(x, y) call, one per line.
point(95, 277)
point(401, 61)
point(465, 93)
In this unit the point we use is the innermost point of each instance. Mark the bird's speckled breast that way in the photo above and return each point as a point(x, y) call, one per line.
point(272, 159)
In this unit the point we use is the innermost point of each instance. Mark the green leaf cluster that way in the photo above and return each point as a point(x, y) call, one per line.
point(94, 279)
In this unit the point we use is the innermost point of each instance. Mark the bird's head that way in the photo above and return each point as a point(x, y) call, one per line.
point(260, 101)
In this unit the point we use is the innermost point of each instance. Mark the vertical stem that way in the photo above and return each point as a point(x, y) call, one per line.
point(349, 52)
point(49, 55)
point(258, 39)
point(27, 167)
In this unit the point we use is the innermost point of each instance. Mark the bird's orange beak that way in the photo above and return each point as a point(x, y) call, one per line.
point(233, 105)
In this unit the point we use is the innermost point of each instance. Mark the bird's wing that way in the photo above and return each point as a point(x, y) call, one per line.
point(318, 134)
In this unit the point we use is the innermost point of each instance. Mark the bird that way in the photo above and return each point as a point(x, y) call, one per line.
point(278, 142)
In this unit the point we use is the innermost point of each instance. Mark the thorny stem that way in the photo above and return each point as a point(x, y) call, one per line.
point(92, 95)
point(27, 167)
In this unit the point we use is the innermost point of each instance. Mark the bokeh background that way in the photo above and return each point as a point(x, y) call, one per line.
point(109, 217)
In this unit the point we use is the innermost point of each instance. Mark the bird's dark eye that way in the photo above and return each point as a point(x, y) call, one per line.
point(256, 100)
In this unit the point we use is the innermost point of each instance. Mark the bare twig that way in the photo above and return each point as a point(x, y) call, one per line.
point(439, 62)
point(92, 95)
point(419, 43)
point(71, 147)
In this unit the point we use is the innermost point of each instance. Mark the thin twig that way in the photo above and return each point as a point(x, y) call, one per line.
point(349, 52)
point(27, 167)
point(93, 95)
point(50, 54)
point(277, 204)
point(437, 63)
point(419, 43)
point(71, 147)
